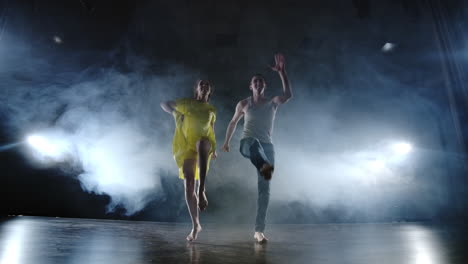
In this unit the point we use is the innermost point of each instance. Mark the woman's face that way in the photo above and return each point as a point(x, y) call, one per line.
point(203, 89)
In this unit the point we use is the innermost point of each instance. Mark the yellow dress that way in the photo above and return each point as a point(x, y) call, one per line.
point(194, 120)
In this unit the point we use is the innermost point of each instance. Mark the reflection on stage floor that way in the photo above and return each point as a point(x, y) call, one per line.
point(65, 240)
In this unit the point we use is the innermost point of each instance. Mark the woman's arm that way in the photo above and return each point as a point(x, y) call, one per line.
point(214, 155)
point(168, 106)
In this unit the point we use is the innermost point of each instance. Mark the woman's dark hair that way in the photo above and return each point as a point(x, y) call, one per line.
point(195, 87)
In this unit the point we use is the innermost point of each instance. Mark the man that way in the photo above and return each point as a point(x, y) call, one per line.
point(256, 144)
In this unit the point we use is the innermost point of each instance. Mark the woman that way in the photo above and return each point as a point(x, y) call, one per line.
point(193, 146)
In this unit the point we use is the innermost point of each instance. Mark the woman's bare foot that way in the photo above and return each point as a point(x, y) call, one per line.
point(203, 201)
point(267, 171)
point(194, 233)
point(260, 237)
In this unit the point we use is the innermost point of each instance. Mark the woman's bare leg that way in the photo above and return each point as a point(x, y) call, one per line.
point(191, 197)
point(203, 149)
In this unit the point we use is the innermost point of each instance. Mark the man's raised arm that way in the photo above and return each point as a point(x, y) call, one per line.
point(280, 67)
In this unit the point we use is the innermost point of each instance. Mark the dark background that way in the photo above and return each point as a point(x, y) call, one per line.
point(346, 89)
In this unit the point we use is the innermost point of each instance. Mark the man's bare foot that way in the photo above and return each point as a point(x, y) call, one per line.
point(260, 237)
point(267, 171)
point(203, 201)
point(194, 233)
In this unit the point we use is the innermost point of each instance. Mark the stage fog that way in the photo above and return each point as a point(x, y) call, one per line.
point(375, 131)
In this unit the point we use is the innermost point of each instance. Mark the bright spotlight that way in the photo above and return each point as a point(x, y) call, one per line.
point(57, 40)
point(402, 148)
point(44, 146)
point(388, 47)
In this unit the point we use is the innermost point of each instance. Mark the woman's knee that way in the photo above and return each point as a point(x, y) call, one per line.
point(203, 145)
point(189, 174)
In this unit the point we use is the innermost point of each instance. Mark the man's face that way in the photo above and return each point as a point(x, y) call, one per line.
point(257, 84)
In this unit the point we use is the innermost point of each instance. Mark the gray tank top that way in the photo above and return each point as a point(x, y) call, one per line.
point(258, 121)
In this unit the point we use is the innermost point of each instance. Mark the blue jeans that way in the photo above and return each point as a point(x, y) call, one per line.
point(259, 153)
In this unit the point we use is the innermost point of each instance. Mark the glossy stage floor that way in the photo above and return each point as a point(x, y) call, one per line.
point(65, 240)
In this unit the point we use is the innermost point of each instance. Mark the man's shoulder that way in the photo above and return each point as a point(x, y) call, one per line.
point(244, 102)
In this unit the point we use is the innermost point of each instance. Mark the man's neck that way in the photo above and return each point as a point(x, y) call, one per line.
point(257, 97)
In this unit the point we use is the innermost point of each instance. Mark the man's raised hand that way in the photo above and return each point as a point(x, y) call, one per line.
point(280, 63)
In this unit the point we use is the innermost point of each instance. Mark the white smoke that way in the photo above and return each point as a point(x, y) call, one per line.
point(106, 124)
point(118, 160)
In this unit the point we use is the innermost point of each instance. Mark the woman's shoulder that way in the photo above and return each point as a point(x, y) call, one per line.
point(183, 100)
point(211, 107)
